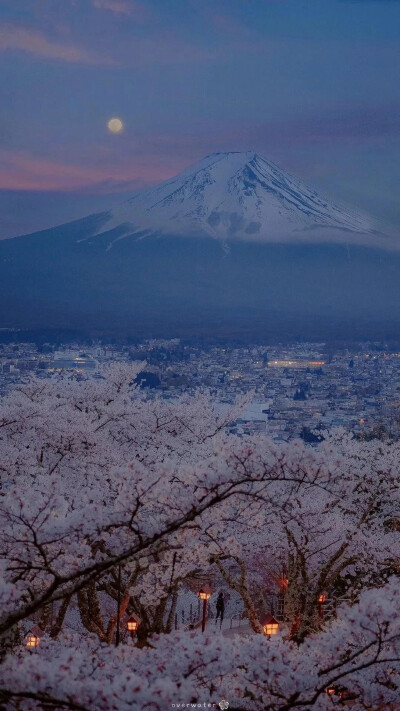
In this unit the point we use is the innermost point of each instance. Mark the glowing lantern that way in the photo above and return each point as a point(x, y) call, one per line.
point(321, 600)
point(204, 594)
point(330, 691)
point(34, 636)
point(132, 624)
point(270, 626)
point(32, 641)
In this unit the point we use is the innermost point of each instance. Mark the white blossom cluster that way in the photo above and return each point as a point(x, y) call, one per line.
point(109, 495)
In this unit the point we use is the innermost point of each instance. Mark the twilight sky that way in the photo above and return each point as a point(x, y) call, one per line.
point(310, 84)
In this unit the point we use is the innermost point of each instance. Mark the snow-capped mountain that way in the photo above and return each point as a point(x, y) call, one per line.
point(231, 248)
point(238, 196)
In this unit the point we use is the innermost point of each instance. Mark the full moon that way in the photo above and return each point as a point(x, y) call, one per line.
point(115, 125)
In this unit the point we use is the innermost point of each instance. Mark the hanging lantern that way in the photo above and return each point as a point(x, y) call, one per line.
point(322, 599)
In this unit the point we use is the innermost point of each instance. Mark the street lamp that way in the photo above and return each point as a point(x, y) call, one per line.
point(270, 625)
point(204, 594)
point(117, 631)
point(132, 625)
point(283, 583)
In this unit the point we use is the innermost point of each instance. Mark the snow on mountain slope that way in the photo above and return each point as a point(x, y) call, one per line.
point(239, 196)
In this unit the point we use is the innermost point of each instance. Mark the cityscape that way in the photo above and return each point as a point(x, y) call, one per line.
point(297, 390)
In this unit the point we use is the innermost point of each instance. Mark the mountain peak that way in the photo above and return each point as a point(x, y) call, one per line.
point(239, 196)
point(231, 160)
point(244, 155)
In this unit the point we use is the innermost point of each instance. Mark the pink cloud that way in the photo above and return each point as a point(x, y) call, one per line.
point(123, 7)
point(147, 159)
point(22, 171)
point(168, 49)
point(14, 37)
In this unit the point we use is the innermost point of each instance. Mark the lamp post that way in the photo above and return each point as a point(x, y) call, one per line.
point(205, 596)
point(131, 626)
point(118, 605)
point(321, 601)
point(270, 625)
point(283, 586)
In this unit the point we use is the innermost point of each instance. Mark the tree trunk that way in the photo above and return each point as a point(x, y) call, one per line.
point(113, 620)
point(57, 626)
point(241, 588)
point(90, 612)
point(171, 615)
point(46, 616)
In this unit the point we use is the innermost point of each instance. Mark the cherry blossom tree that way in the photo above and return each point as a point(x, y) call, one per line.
point(110, 494)
point(333, 536)
point(357, 658)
